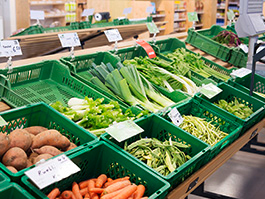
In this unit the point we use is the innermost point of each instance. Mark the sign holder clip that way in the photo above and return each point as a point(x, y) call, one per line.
point(9, 64)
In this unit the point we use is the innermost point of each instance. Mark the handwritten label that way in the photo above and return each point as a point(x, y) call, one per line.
point(10, 48)
point(52, 171)
point(37, 14)
point(69, 40)
point(127, 11)
point(152, 28)
point(148, 49)
point(124, 130)
point(210, 90)
point(242, 72)
point(192, 16)
point(2, 121)
point(88, 12)
point(113, 35)
point(175, 116)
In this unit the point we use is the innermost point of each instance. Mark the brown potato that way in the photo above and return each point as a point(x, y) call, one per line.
point(4, 143)
point(35, 130)
point(32, 136)
point(48, 150)
point(32, 157)
point(12, 169)
point(52, 138)
point(29, 163)
point(42, 156)
point(20, 138)
point(15, 157)
point(72, 146)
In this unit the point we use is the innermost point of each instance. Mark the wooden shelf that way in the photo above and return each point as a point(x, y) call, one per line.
point(158, 16)
point(179, 29)
point(198, 25)
point(220, 18)
point(180, 10)
point(200, 13)
point(54, 16)
point(32, 3)
point(221, 8)
point(180, 20)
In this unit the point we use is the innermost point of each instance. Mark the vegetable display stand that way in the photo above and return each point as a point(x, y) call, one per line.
point(195, 108)
point(101, 158)
point(13, 190)
point(230, 94)
point(243, 84)
point(171, 44)
point(158, 128)
point(36, 29)
point(41, 114)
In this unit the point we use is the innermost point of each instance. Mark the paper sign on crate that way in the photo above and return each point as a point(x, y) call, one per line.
point(175, 116)
point(52, 171)
point(127, 11)
point(113, 35)
point(88, 12)
point(242, 72)
point(10, 48)
point(193, 16)
point(69, 40)
point(124, 130)
point(152, 28)
point(210, 90)
point(37, 14)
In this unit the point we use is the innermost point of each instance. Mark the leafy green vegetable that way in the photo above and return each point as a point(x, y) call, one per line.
point(236, 108)
point(165, 157)
point(227, 37)
point(202, 129)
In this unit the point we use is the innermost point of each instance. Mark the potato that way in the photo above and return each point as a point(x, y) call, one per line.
point(32, 136)
point(48, 150)
point(20, 138)
point(72, 146)
point(29, 163)
point(4, 143)
point(12, 169)
point(32, 157)
point(35, 130)
point(15, 157)
point(52, 138)
point(42, 156)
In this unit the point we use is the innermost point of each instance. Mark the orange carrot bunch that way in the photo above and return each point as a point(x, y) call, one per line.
point(101, 187)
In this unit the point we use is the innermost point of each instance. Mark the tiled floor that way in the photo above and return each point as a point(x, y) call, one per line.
point(242, 176)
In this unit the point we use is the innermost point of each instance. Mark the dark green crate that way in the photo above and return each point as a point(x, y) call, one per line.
point(157, 127)
point(195, 108)
point(228, 94)
point(243, 84)
point(84, 25)
point(13, 191)
point(103, 158)
point(4, 179)
point(41, 114)
point(58, 29)
point(141, 21)
point(238, 58)
point(36, 29)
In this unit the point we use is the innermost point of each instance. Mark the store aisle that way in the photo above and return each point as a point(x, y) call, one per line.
point(242, 177)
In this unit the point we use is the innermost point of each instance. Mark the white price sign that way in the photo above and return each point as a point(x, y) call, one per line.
point(242, 72)
point(113, 35)
point(88, 12)
point(127, 11)
point(210, 90)
point(52, 171)
point(175, 116)
point(69, 40)
point(150, 9)
point(10, 48)
point(37, 14)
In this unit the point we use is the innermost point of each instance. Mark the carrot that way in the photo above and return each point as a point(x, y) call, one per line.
point(91, 185)
point(87, 196)
point(54, 193)
point(116, 180)
point(76, 191)
point(83, 184)
point(96, 190)
point(111, 195)
point(109, 180)
point(84, 191)
point(126, 192)
point(67, 194)
point(139, 193)
point(116, 186)
point(101, 180)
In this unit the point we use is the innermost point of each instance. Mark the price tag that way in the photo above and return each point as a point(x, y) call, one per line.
point(244, 47)
point(127, 11)
point(124, 130)
point(230, 15)
point(242, 72)
point(37, 14)
point(150, 9)
point(152, 27)
point(2, 121)
point(88, 12)
point(10, 48)
point(210, 90)
point(113, 35)
point(69, 40)
point(175, 116)
point(148, 49)
point(192, 16)
point(52, 171)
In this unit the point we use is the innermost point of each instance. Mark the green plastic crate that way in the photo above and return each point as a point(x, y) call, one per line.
point(103, 158)
point(195, 108)
point(13, 190)
point(157, 127)
point(228, 94)
point(140, 21)
point(4, 179)
point(84, 25)
point(36, 29)
point(243, 84)
point(41, 114)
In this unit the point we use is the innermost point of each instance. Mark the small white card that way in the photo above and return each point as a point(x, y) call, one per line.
point(127, 11)
point(113, 35)
point(37, 14)
point(124, 130)
point(52, 171)
point(210, 90)
point(88, 12)
point(242, 72)
point(69, 40)
point(10, 48)
point(244, 47)
point(150, 9)
point(175, 116)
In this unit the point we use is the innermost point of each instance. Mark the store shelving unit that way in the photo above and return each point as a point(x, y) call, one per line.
point(222, 8)
point(180, 16)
